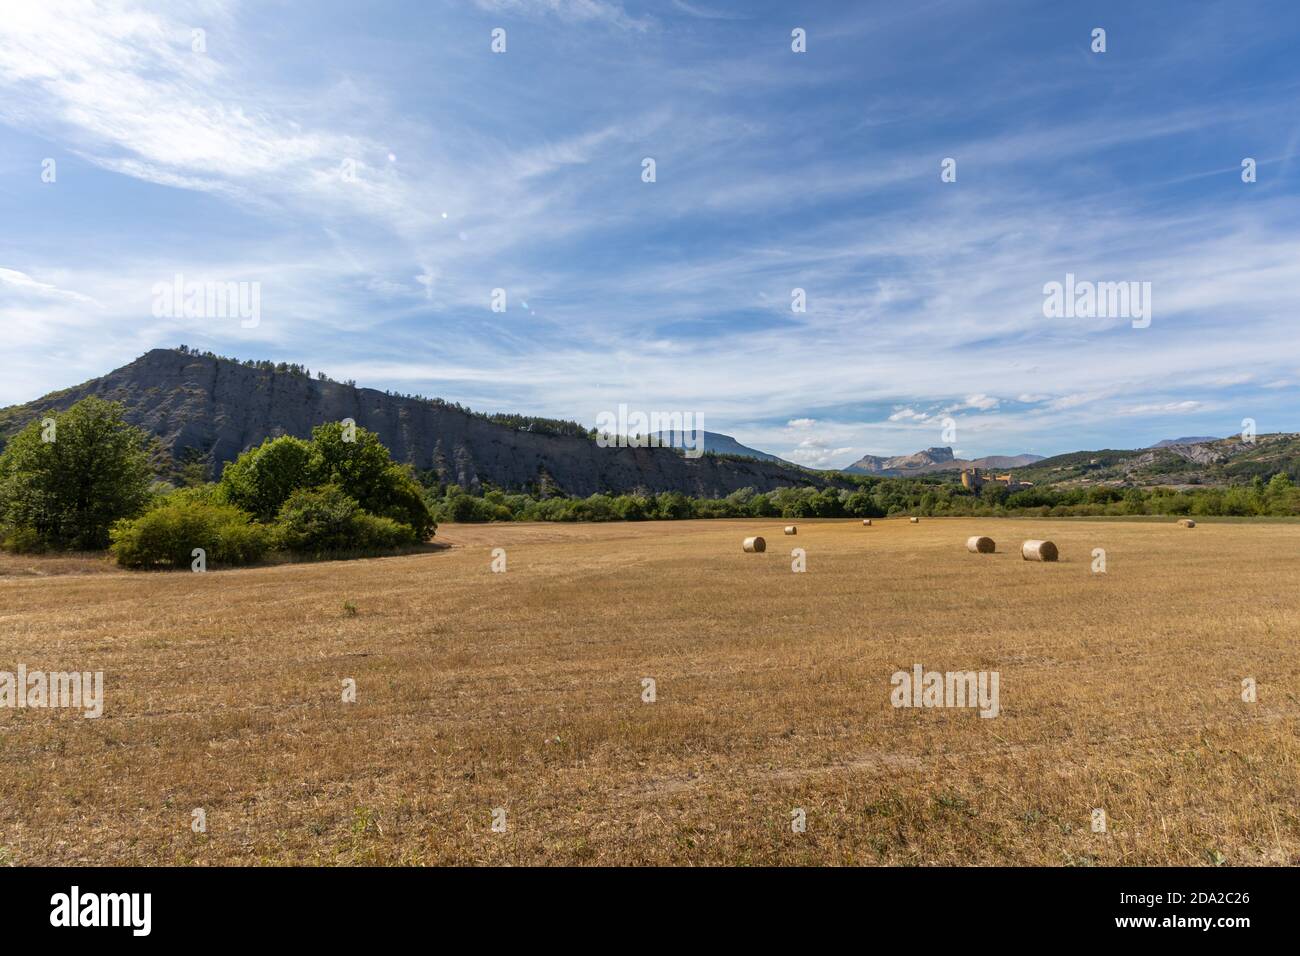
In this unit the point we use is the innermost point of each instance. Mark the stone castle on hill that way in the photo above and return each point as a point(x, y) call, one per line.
point(974, 481)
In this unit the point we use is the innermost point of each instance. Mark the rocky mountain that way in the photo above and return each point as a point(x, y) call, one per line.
point(1220, 461)
point(1199, 440)
point(209, 408)
point(933, 460)
point(716, 443)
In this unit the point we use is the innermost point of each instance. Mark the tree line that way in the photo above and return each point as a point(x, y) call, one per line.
point(85, 480)
point(871, 497)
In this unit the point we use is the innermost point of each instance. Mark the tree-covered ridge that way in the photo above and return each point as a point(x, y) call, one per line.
point(527, 423)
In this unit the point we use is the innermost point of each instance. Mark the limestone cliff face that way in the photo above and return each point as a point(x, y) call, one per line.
point(219, 408)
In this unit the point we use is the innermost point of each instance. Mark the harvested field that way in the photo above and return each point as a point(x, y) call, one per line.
point(524, 691)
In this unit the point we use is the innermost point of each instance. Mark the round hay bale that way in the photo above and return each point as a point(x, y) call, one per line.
point(1038, 551)
point(866, 522)
point(915, 520)
point(791, 529)
point(1187, 522)
point(979, 544)
point(755, 545)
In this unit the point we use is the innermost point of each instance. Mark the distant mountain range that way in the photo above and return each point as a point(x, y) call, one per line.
point(203, 407)
point(718, 444)
point(933, 460)
point(1173, 462)
point(922, 462)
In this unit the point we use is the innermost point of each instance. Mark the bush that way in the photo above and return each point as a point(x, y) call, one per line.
point(167, 535)
point(397, 495)
point(377, 533)
point(324, 520)
point(316, 520)
point(461, 508)
point(23, 539)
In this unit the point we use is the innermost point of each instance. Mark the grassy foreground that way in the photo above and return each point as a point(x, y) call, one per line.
point(523, 691)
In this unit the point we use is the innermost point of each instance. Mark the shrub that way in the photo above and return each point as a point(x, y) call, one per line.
point(552, 509)
point(23, 539)
point(167, 535)
point(460, 507)
point(323, 520)
point(377, 533)
point(316, 520)
point(397, 495)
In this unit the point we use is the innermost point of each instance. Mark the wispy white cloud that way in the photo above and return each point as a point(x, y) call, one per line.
point(706, 13)
point(576, 11)
point(924, 299)
point(1187, 405)
point(19, 282)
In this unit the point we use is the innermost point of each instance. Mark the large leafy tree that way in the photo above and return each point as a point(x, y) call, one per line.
point(357, 462)
point(261, 480)
point(352, 459)
point(63, 484)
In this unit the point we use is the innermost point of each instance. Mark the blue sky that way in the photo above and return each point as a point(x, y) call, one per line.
point(775, 170)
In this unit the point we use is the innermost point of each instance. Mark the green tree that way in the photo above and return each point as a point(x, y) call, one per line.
point(1280, 494)
point(261, 479)
point(860, 504)
point(672, 505)
point(632, 507)
point(64, 483)
point(827, 504)
point(356, 461)
point(995, 495)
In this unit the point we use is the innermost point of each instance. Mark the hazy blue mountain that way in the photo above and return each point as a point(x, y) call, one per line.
point(719, 444)
point(935, 459)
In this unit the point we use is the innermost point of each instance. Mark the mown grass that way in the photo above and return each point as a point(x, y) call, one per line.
point(523, 691)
